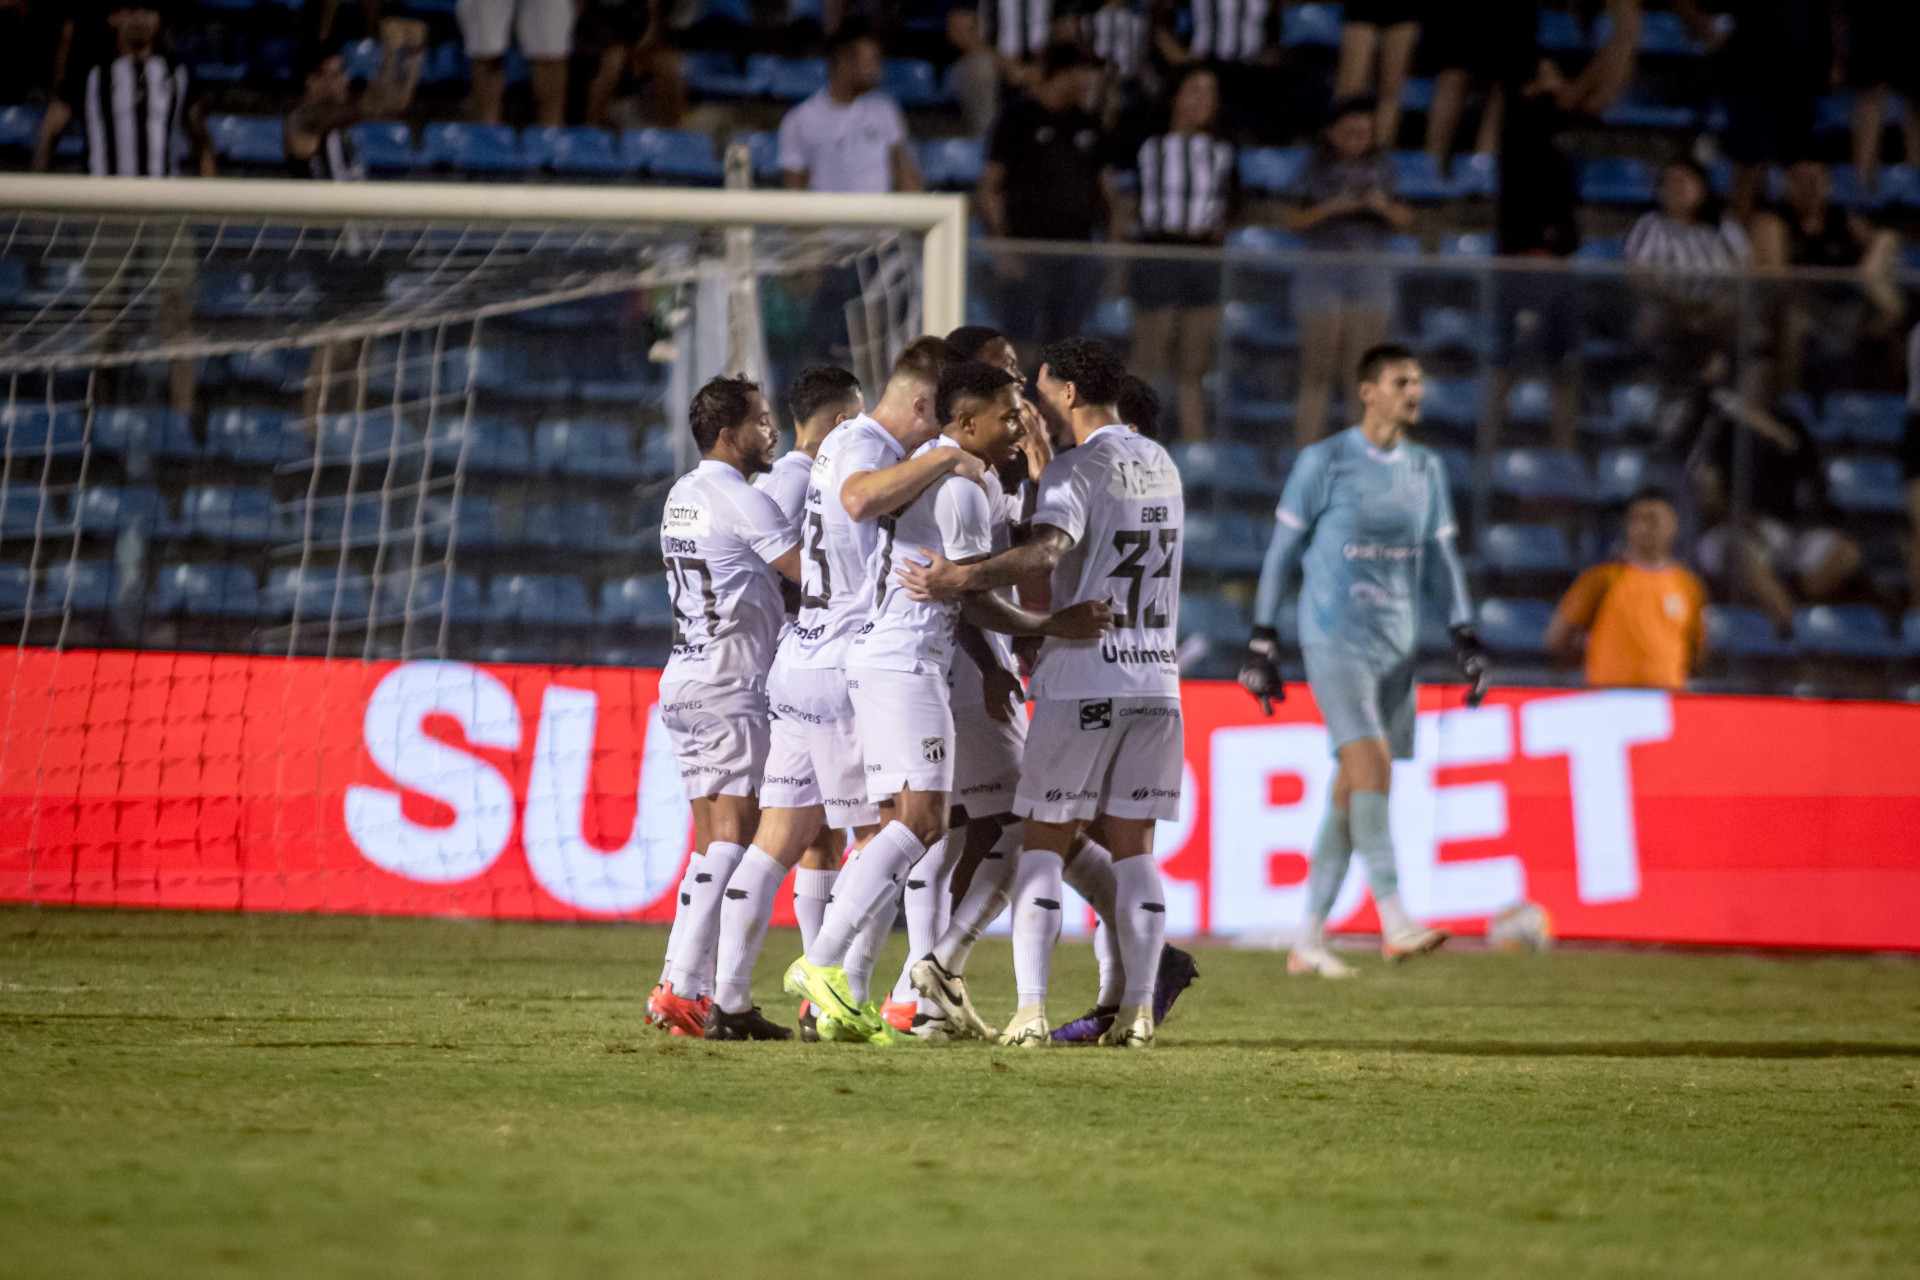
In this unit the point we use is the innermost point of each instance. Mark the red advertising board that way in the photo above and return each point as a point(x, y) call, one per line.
point(189, 780)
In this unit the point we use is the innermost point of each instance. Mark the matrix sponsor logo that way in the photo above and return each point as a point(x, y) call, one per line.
point(686, 519)
point(1097, 715)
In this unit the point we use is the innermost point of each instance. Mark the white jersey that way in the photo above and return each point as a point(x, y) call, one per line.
point(1119, 497)
point(1006, 513)
point(835, 549)
point(952, 516)
point(786, 484)
point(719, 536)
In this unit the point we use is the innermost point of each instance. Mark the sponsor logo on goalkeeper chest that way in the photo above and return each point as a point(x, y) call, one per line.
point(1387, 551)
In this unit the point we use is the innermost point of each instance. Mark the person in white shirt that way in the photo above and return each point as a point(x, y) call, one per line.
point(725, 545)
point(1105, 739)
point(815, 770)
point(849, 136)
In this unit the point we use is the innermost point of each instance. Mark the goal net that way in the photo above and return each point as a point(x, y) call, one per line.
point(263, 439)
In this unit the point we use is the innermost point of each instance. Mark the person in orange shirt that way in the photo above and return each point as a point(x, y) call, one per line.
point(1641, 613)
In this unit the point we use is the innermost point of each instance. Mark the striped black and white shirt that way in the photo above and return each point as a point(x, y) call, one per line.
point(1020, 27)
point(1659, 241)
point(1232, 30)
point(1117, 34)
point(1185, 181)
point(135, 112)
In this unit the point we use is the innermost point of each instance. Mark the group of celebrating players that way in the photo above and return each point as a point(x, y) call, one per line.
point(852, 621)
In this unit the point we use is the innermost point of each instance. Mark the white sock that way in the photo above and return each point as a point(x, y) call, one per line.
point(865, 950)
point(928, 903)
point(812, 891)
point(690, 967)
point(1394, 920)
point(1090, 873)
point(1036, 923)
point(872, 876)
point(987, 896)
point(1142, 925)
point(744, 911)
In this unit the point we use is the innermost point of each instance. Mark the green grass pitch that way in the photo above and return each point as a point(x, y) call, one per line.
point(214, 1095)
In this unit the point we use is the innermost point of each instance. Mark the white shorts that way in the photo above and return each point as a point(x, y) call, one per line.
point(987, 753)
point(719, 735)
point(544, 27)
point(813, 754)
point(1118, 756)
point(906, 730)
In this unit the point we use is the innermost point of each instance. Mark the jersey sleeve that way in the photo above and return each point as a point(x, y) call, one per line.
point(1063, 497)
point(894, 131)
point(965, 518)
point(1581, 604)
point(763, 526)
point(1441, 534)
point(793, 141)
point(1301, 503)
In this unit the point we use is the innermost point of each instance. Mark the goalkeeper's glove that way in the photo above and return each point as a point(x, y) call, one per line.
point(1471, 657)
point(1259, 673)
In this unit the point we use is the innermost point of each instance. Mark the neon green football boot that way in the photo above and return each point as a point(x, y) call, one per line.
point(825, 986)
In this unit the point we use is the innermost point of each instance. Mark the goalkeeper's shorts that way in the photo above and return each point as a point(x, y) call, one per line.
point(1360, 699)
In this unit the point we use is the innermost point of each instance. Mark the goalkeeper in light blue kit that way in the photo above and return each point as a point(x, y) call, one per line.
point(1366, 517)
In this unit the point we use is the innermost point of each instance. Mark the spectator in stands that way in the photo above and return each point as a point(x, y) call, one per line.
point(1775, 60)
point(1683, 232)
point(633, 72)
point(316, 132)
point(974, 76)
point(137, 92)
point(1910, 466)
point(1047, 177)
point(544, 30)
point(1469, 44)
point(1188, 191)
point(35, 36)
point(1116, 34)
point(1382, 32)
point(849, 136)
point(1883, 56)
point(1775, 544)
point(1240, 40)
point(1639, 615)
point(1537, 312)
point(1346, 205)
point(1020, 32)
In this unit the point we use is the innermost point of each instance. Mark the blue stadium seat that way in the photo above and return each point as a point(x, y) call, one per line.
point(1460, 466)
point(1561, 32)
point(107, 509)
point(13, 280)
point(1525, 549)
point(491, 447)
point(1639, 109)
point(714, 74)
point(1845, 631)
point(1743, 633)
point(1273, 170)
point(316, 593)
point(474, 523)
point(1444, 327)
point(247, 139)
point(85, 586)
point(1470, 244)
point(1910, 631)
point(911, 82)
point(1416, 93)
point(225, 514)
point(764, 147)
point(1541, 474)
point(1865, 418)
point(1263, 242)
point(539, 599)
point(1476, 174)
point(368, 439)
point(583, 150)
point(34, 430)
point(1216, 617)
point(363, 59)
point(1417, 178)
point(629, 379)
point(1616, 180)
point(161, 433)
point(429, 592)
point(20, 126)
point(570, 526)
point(580, 447)
point(1662, 35)
point(796, 78)
point(952, 163)
point(283, 369)
point(263, 437)
point(386, 146)
point(656, 456)
point(1310, 24)
point(1226, 543)
point(1227, 467)
point(1602, 249)
point(1112, 320)
point(1259, 325)
point(1530, 401)
point(16, 588)
point(205, 591)
point(484, 148)
point(1514, 626)
point(1455, 400)
point(1867, 486)
point(682, 154)
point(641, 602)
point(1620, 472)
point(326, 521)
point(27, 508)
point(1630, 406)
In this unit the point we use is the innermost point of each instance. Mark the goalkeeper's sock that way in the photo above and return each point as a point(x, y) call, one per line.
point(1326, 872)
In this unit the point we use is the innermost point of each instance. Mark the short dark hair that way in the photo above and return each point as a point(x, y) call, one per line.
point(1139, 405)
point(849, 33)
point(967, 378)
point(1062, 56)
point(724, 402)
point(925, 359)
point(1378, 357)
point(1653, 493)
point(969, 340)
point(818, 387)
point(1092, 367)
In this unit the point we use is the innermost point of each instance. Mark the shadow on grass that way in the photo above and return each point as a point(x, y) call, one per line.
point(1584, 1048)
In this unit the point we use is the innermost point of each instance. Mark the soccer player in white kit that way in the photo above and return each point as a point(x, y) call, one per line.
point(724, 544)
point(815, 768)
point(1105, 739)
